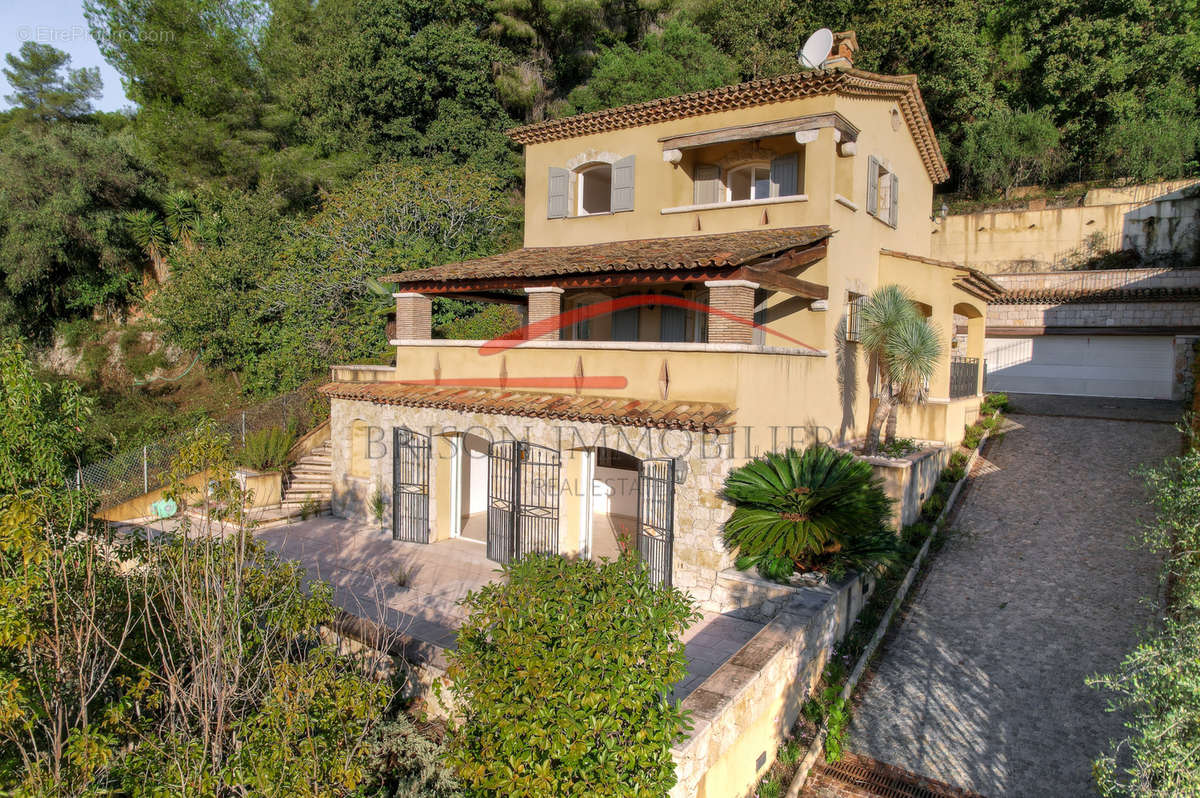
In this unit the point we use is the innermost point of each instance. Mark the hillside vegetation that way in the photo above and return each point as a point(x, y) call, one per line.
point(282, 153)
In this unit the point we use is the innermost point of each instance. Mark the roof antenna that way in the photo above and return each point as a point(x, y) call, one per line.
point(816, 49)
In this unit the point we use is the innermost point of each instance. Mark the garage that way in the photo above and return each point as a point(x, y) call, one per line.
point(1135, 366)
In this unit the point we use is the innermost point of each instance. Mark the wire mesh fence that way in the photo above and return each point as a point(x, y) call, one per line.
point(133, 472)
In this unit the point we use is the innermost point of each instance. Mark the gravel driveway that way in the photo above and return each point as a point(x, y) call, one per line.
point(983, 686)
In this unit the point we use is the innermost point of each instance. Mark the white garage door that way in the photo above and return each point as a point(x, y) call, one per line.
point(1082, 365)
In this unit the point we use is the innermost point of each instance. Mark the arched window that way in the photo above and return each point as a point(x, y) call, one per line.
point(593, 189)
point(360, 465)
point(749, 182)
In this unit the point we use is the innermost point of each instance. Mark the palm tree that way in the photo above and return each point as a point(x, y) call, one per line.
point(149, 233)
point(819, 507)
point(904, 348)
point(182, 218)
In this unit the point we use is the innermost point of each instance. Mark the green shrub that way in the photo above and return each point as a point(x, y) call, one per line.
point(1157, 686)
point(820, 508)
point(562, 675)
point(898, 447)
point(993, 402)
point(267, 449)
point(406, 764)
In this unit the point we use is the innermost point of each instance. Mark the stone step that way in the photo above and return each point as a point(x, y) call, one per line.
point(301, 495)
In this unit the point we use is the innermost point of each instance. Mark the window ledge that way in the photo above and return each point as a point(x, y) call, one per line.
point(735, 204)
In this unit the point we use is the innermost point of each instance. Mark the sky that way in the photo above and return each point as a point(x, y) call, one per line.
point(59, 23)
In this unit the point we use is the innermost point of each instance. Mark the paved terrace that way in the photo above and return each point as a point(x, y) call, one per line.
point(362, 563)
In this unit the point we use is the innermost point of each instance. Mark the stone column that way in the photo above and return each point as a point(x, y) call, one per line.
point(544, 303)
point(735, 297)
point(414, 316)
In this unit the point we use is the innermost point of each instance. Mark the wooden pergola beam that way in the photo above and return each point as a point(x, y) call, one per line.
point(782, 282)
point(796, 259)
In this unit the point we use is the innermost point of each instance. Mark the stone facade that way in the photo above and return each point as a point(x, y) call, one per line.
point(699, 554)
point(1164, 315)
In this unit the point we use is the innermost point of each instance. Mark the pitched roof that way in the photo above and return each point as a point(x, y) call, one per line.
point(683, 253)
point(694, 416)
point(840, 80)
point(972, 281)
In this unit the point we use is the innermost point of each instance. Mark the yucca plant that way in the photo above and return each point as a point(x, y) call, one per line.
point(817, 508)
point(904, 348)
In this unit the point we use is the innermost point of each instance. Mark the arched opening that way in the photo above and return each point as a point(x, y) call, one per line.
point(594, 189)
point(614, 504)
point(473, 488)
point(966, 351)
point(749, 182)
point(360, 444)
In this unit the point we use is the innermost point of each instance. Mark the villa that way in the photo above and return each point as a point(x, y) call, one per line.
point(689, 277)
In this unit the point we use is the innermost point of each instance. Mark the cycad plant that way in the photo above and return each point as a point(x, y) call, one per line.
point(904, 348)
point(814, 509)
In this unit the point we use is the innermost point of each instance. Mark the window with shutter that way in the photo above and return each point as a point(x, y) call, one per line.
point(625, 324)
point(785, 176)
point(894, 207)
point(873, 185)
point(560, 190)
point(595, 189)
point(706, 184)
point(622, 185)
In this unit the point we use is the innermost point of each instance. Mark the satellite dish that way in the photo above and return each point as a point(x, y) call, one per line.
point(816, 49)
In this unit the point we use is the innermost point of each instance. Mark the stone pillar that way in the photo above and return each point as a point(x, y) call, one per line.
point(414, 316)
point(731, 296)
point(544, 303)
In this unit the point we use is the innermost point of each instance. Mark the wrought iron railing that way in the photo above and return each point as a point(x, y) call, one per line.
point(964, 376)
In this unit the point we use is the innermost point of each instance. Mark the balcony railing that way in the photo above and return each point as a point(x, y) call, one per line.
point(964, 376)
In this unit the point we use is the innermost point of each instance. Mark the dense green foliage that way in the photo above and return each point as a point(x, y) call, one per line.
point(562, 676)
point(187, 665)
point(1158, 683)
point(63, 248)
point(277, 301)
point(819, 508)
point(258, 114)
point(267, 448)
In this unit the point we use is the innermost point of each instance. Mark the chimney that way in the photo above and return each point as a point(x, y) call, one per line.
point(845, 45)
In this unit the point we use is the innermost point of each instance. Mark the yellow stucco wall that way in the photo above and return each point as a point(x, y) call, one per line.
point(659, 185)
point(265, 487)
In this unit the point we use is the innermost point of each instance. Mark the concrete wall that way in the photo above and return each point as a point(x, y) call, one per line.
point(1035, 237)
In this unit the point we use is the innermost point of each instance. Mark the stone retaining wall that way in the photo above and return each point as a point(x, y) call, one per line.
point(744, 711)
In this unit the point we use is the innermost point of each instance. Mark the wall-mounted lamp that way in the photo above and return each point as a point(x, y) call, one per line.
point(681, 470)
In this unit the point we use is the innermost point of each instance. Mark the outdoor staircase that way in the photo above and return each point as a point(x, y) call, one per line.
point(310, 482)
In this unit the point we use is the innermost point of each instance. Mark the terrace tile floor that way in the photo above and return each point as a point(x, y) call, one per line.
point(362, 564)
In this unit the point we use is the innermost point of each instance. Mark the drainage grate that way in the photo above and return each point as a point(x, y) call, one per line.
point(886, 781)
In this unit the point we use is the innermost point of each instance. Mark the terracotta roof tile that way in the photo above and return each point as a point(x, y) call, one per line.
point(1055, 296)
point(843, 80)
point(680, 253)
point(694, 416)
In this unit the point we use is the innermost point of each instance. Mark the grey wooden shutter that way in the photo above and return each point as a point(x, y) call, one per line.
point(625, 324)
point(894, 208)
point(706, 184)
point(673, 324)
point(873, 185)
point(560, 192)
point(783, 176)
point(622, 185)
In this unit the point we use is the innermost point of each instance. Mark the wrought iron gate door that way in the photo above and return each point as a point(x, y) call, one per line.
point(410, 485)
point(656, 517)
point(523, 498)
